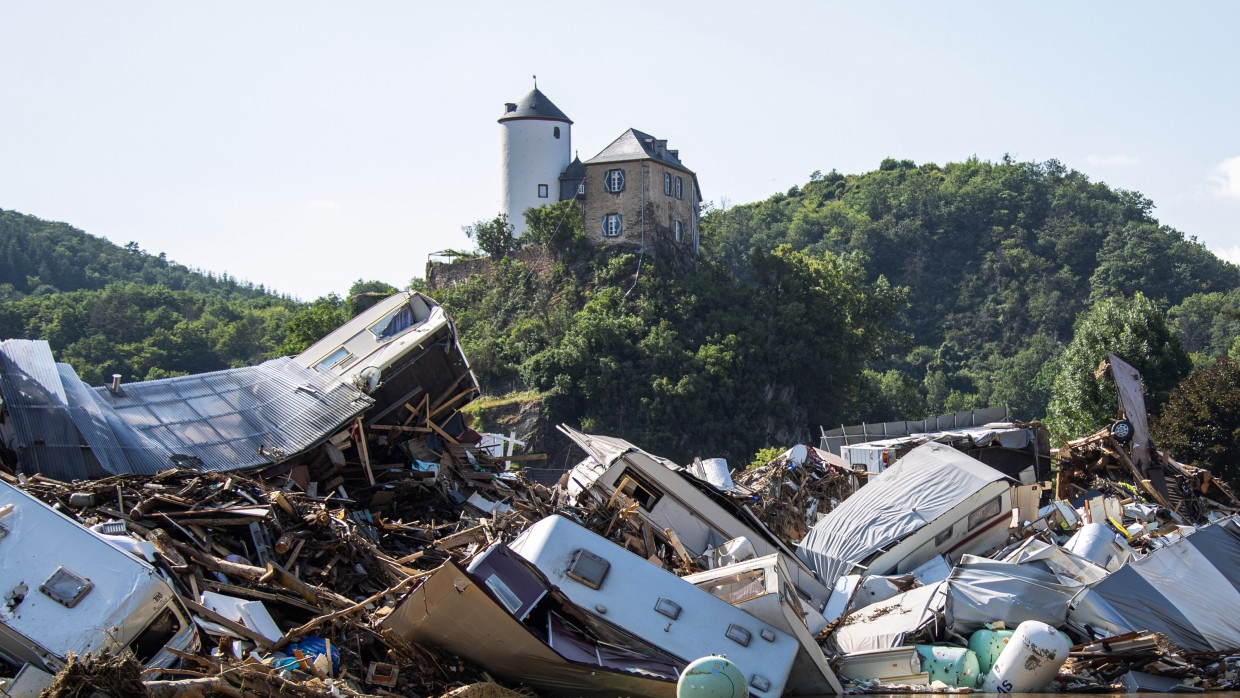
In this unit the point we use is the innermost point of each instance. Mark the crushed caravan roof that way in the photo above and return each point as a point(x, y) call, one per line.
point(225, 420)
point(922, 486)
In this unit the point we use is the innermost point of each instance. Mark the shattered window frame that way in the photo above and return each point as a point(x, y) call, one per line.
point(631, 485)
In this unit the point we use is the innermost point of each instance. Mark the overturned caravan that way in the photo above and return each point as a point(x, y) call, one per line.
point(402, 350)
point(570, 612)
point(669, 498)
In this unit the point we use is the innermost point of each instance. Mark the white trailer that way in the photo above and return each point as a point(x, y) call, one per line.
point(65, 588)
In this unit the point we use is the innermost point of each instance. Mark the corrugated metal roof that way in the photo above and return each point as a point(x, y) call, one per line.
point(226, 420)
point(239, 418)
point(45, 437)
point(118, 447)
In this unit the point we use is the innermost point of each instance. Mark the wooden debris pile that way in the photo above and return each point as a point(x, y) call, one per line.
point(1099, 463)
point(329, 560)
point(1109, 665)
point(790, 492)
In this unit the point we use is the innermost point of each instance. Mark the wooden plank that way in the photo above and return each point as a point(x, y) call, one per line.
point(442, 433)
point(414, 412)
point(469, 535)
point(248, 593)
point(364, 450)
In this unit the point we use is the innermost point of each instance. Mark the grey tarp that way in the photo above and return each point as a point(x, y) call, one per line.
point(920, 487)
point(1188, 590)
point(981, 591)
point(885, 624)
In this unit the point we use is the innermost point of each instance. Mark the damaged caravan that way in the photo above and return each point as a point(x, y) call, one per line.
point(701, 518)
point(565, 610)
point(934, 501)
point(68, 589)
point(402, 350)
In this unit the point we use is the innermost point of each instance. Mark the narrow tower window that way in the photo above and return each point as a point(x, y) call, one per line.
point(542, 191)
point(556, 132)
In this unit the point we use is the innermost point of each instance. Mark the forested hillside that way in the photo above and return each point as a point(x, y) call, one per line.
point(108, 309)
point(999, 260)
point(38, 257)
point(898, 293)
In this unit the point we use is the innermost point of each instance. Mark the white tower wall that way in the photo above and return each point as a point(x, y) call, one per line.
point(532, 155)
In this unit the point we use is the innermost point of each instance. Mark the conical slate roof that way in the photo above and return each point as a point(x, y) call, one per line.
point(534, 105)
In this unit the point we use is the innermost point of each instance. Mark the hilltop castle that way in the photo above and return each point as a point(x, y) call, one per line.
point(635, 192)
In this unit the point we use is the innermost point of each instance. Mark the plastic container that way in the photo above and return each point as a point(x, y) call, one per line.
point(711, 677)
point(954, 666)
point(1029, 663)
point(988, 644)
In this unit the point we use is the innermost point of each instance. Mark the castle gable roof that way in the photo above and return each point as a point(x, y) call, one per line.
point(636, 145)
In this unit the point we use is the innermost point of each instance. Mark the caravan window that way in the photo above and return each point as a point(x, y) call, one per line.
point(393, 323)
point(944, 536)
point(335, 359)
point(737, 587)
point(984, 513)
point(159, 633)
point(634, 488)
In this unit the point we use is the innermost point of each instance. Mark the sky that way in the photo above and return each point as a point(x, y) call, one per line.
point(304, 145)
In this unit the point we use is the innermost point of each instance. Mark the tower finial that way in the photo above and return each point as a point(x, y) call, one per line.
point(536, 82)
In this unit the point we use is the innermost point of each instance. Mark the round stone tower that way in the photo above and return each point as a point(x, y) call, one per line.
point(536, 146)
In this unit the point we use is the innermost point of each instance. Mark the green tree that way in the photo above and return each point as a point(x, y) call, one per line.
point(494, 237)
point(312, 324)
point(1200, 424)
point(556, 225)
point(1131, 328)
point(363, 294)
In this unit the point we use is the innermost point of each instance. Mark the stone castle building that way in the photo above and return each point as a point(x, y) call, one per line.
point(636, 192)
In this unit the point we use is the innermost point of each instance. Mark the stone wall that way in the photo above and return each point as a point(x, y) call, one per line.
point(536, 258)
point(661, 210)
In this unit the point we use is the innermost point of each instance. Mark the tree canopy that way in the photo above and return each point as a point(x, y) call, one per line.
point(1083, 397)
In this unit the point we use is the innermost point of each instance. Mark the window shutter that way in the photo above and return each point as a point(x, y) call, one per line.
point(607, 180)
point(620, 180)
point(604, 226)
point(619, 217)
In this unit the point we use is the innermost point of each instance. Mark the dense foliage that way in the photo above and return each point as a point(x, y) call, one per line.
point(147, 332)
point(1200, 424)
point(999, 258)
point(684, 362)
point(39, 257)
point(897, 293)
point(1084, 395)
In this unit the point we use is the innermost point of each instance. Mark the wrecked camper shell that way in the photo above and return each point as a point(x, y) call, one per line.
point(403, 349)
point(934, 501)
point(649, 602)
point(670, 498)
point(68, 590)
point(507, 618)
point(762, 588)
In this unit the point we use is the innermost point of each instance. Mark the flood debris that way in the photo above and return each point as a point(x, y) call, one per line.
point(331, 524)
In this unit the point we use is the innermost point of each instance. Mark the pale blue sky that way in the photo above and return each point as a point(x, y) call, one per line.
point(303, 145)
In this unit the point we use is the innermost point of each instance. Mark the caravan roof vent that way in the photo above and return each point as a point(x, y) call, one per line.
point(667, 607)
point(739, 635)
point(588, 568)
point(66, 587)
